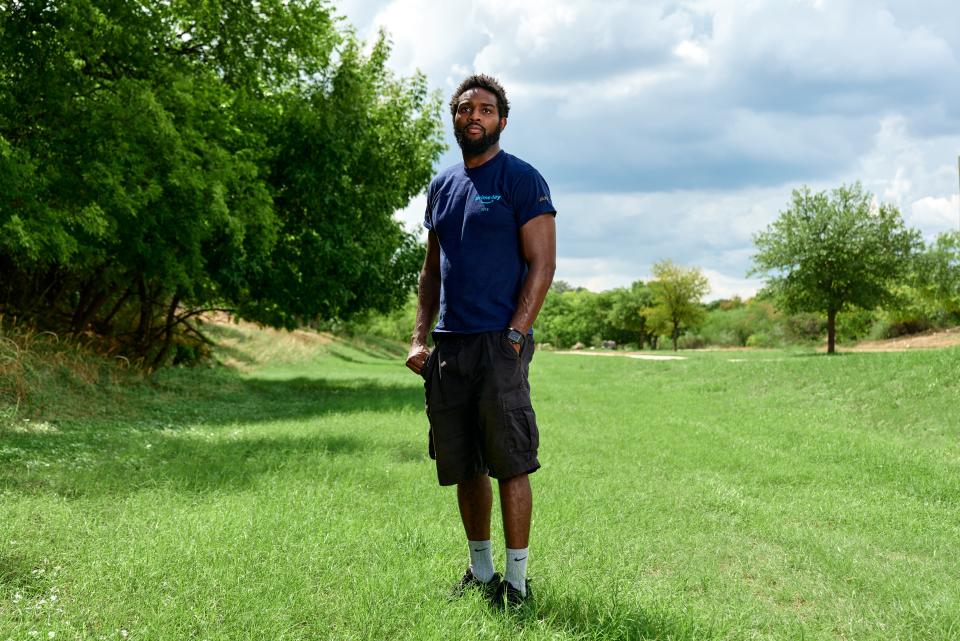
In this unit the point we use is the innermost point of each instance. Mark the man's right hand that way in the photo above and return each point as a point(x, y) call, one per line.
point(417, 356)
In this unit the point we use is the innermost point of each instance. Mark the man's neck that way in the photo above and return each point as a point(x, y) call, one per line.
point(472, 162)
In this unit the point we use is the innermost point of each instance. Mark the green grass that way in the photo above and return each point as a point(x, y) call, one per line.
point(783, 496)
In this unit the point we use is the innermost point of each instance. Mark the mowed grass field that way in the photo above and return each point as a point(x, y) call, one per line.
point(730, 495)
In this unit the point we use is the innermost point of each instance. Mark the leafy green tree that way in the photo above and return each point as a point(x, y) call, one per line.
point(162, 159)
point(937, 276)
point(828, 252)
point(676, 293)
point(346, 163)
point(929, 297)
point(730, 327)
point(571, 317)
point(624, 318)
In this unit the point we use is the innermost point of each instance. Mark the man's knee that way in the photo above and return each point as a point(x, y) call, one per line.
point(479, 480)
point(517, 483)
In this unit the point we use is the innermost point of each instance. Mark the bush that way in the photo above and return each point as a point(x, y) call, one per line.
point(905, 322)
point(733, 325)
point(806, 327)
point(728, 328)
point(855, 324)
point(764, 339)
point(395, 326)
point(880, 329)
point(689, 341)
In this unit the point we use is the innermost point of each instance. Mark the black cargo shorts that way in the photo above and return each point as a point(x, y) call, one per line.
point(478, 402)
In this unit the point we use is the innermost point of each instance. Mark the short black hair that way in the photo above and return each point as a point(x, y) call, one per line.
point(482, 81)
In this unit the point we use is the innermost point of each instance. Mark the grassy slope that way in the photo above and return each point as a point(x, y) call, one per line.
point(785, 496)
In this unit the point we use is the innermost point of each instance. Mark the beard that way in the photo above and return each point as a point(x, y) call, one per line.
point(476, 146)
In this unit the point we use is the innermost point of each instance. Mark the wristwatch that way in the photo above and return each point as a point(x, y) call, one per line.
point(515, 337)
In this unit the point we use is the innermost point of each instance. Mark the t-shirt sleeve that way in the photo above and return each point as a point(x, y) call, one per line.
point(531, 197)
point(428, 213)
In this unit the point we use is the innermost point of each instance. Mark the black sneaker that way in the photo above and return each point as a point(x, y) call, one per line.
point(470, 581)
point(510, 597)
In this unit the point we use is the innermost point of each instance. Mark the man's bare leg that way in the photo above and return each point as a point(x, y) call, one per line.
point(475, 499)
point(516, 506)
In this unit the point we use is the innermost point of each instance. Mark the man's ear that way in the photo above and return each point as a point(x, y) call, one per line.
point(503, 123)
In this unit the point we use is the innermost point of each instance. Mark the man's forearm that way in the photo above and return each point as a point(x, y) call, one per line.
point(428, 303)
point(532, 295)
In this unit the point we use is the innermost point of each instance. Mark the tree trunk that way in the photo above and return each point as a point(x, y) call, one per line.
point(167, 331)
point(86, 315)
point(83, 302)
point(145, 327)
point(831, 331)
point(674, 336)
point(39, 300)
point(104, 325)
point(53, 288)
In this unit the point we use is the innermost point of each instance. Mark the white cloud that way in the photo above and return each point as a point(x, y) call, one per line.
point(614, 239)
point(848, 41)
point(918, 175)
point(692, 52)
point(596, 274)
point(725, 286)
point(898, 187)
point(936, 214)
point(677, 129)
point(430, 36)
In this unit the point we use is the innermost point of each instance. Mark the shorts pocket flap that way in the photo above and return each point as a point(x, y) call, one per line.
point(515, 399)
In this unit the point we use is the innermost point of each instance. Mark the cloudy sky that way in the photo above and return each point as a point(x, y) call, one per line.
point(678, 129)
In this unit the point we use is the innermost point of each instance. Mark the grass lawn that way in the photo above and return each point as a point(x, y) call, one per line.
point(746, 495)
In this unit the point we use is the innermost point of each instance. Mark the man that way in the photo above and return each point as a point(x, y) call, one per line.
point(491, 255)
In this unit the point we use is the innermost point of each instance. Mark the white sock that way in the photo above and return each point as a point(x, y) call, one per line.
point(517, 568)
point(481, 560)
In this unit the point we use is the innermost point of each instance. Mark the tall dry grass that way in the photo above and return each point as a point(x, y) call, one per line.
point(244, 345)
point(43, 374)
point(39, 368)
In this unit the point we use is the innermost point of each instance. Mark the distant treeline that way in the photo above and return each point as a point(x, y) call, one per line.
point(928, 297)
point(162, 159)
point(576, 315)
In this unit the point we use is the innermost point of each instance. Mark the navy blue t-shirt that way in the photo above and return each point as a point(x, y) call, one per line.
point(477, 215)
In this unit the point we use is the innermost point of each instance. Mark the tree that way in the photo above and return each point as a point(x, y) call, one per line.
point(573, 316)
point(936, 276)
point(561, 287)
point(624, 319)
point(676, 293)
point(161, 159)
point(831, 251)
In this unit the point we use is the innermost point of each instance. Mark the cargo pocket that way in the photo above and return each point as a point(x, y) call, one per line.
point(506, 348)
point(520, 423)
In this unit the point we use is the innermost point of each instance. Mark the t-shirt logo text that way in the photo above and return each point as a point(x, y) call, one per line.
point(486, 200)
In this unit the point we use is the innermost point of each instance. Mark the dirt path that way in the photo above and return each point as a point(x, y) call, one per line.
point(930, 340)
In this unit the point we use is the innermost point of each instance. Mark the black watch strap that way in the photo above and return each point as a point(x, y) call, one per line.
point(515, 337)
